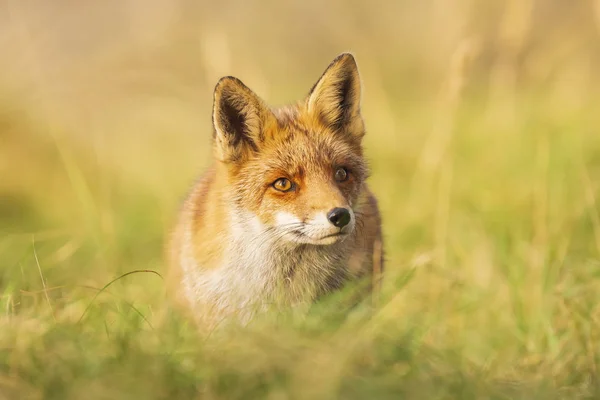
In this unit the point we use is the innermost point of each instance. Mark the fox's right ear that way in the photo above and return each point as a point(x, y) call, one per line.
point(335, 98)
point(240, 120)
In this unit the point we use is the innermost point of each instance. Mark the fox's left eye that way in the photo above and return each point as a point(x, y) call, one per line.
point(341, 174)
point(283, 185)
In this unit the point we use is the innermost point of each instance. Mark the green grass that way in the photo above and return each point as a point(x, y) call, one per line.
point(489, 198)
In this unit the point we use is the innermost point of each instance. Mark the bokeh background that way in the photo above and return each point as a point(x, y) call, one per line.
point(484, 143)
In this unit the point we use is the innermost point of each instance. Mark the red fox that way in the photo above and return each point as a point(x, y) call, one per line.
point(284, 214)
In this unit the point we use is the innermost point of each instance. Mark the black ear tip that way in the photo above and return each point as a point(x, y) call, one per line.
point(345, 58)
point(346, 55)
point(228, 81)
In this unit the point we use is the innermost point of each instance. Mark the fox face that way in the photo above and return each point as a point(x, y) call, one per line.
point(295, 173)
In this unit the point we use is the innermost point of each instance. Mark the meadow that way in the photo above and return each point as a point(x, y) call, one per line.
point(483, 137)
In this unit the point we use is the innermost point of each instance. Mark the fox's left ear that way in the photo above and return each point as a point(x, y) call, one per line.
point(242, 121)
point(335, 98)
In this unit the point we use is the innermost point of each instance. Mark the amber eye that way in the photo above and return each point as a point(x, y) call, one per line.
point(341, 174)
point(283, 185)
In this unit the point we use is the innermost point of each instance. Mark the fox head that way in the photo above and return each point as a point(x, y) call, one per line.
point(296, 172)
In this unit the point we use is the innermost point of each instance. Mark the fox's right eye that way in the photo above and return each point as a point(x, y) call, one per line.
point(283, 185)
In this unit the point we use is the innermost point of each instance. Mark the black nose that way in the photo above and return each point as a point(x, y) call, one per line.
point(339, 217)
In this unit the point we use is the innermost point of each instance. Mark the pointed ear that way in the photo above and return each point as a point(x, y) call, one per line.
point(335, 98)
point(240, 119)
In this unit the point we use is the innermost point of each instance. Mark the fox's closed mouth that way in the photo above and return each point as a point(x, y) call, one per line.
point(333, 235)
point(302, 234)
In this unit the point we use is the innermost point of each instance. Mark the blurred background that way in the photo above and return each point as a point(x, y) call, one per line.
point(483, 137)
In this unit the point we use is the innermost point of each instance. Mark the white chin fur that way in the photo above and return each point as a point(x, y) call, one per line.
point(317, 231)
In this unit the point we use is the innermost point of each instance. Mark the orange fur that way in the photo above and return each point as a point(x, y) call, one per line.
point(240, 243)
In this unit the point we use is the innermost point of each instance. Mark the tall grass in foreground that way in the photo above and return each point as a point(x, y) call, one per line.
point(485, 163)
